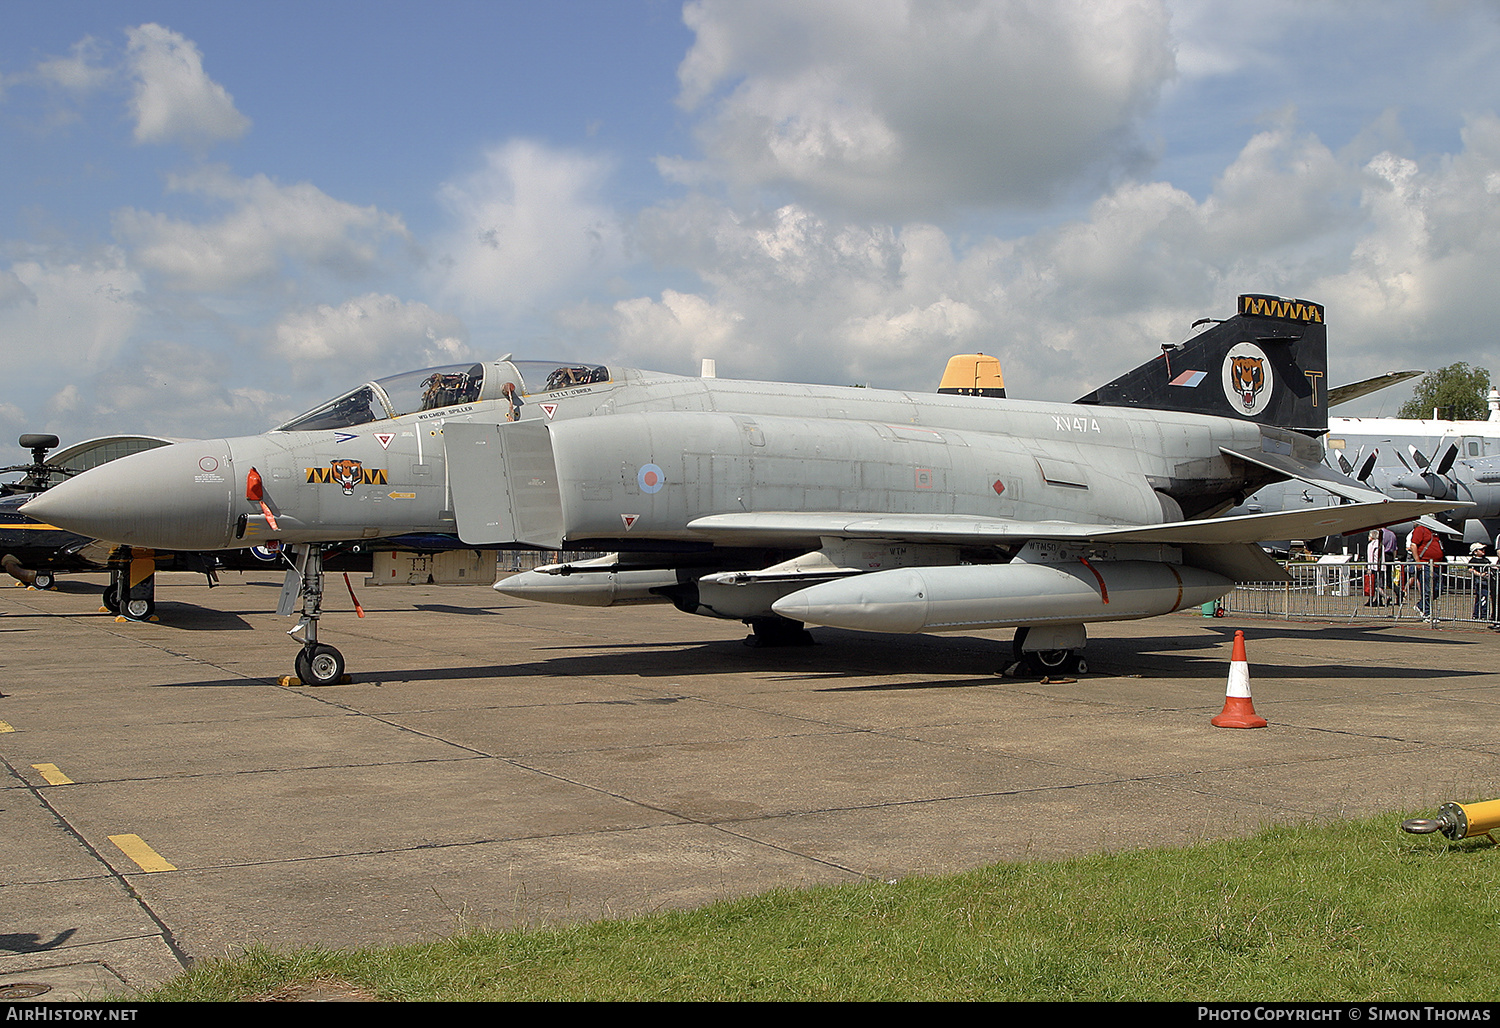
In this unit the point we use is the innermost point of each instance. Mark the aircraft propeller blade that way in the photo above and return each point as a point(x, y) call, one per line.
point(1445, 462)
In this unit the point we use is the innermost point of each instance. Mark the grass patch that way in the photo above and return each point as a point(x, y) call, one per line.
point(1351, 911)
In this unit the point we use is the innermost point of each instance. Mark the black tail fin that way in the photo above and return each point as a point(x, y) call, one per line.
point(1268, 364)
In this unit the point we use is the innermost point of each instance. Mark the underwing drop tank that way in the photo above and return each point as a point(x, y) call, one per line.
point(597, 583)
point(948, 599)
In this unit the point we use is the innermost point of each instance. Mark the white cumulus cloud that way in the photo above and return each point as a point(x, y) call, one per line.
point(527, 226)
point(267, 225)
point(72, 310)
point(1401, 251)
point(174, 99)
point(897, 107)
point(370, 335)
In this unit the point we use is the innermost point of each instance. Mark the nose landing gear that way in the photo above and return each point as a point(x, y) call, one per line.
point(316, 663)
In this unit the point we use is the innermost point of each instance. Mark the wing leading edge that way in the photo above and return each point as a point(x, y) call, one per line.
point(809, 527)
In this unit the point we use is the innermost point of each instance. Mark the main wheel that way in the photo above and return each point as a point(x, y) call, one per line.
point(319, 664)
point(139, 610)
point(778, 631)
point(1053, 662)
point(1047, 662)
point(111, 599)
point(43, 580)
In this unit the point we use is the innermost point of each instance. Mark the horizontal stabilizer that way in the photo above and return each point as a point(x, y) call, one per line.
point(1313, 474)
point(1354, 390)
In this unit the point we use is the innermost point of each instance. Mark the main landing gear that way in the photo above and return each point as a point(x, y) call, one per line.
point(1061, 661)
point(777, 631)
point(316, 663)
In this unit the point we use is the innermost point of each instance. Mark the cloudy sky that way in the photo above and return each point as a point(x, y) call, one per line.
point(214, 214)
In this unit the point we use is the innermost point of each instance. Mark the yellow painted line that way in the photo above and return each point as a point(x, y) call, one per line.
point(5, 727)
point(52, 775)
point(146, 858)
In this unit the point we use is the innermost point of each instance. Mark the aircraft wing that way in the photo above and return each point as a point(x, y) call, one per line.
point(1313, 474)
point(807, 528)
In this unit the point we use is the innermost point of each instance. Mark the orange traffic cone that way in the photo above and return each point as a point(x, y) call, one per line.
point(1238, 711)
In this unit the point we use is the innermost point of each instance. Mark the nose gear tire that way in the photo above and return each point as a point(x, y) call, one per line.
point(319, 664)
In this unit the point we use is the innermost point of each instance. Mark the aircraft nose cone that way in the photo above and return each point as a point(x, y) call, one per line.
point(176, 497)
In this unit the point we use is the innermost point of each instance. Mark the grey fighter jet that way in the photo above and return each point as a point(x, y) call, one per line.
point(786, 505)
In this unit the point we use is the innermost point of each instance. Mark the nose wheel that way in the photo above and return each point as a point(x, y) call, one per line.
point(319, 664)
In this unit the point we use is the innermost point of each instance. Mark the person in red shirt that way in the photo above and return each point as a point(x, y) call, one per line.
point(1427, 550)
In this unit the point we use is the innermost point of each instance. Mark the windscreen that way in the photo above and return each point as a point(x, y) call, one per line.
point(408, 393)
point(452, 385)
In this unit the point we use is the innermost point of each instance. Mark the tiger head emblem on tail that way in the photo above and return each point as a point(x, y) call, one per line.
point(1249, 377)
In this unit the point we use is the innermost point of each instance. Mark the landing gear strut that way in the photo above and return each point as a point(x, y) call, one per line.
point(316, 663)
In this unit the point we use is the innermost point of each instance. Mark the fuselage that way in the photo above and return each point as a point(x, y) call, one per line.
point(634, 456)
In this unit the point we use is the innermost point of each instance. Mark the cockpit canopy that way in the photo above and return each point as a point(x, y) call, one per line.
point(452, 385)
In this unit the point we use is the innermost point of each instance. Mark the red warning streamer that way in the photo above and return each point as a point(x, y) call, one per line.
point(357, 608)
point(255, 492)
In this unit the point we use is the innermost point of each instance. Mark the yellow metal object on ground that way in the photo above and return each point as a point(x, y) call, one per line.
point(1460, 820)
point(973, 374)
point(1473, 818)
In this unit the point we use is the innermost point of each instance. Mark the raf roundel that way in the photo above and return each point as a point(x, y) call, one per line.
point(650, 478)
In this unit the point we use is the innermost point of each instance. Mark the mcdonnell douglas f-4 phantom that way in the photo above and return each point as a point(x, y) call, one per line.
point(785, 505)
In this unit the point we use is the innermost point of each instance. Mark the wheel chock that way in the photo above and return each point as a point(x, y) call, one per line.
point(293, 680)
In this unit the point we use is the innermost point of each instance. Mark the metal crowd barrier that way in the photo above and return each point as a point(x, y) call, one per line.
point(1358, 590)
